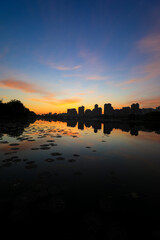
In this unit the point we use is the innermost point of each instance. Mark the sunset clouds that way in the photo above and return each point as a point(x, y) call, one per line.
point(22, 86)
point(62, 67)
point(150, 44)
point(85, 77)
point(150, 70)
point(46, 96)
point(148, 102)
point(81, 53)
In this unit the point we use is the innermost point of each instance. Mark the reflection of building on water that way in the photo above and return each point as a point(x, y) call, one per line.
point(71, 123)
point(107, 128)
point(81, 125)
point(96, 126)
point(134, 131)
point(88, 124)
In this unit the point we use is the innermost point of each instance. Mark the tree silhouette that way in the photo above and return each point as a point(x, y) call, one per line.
point(15, 109)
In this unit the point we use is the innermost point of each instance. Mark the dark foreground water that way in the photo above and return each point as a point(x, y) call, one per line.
point(76, 181)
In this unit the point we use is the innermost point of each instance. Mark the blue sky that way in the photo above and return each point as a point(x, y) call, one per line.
point(60, 54)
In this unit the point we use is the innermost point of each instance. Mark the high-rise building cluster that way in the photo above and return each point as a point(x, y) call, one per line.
point(109, 111)
point(97, 111)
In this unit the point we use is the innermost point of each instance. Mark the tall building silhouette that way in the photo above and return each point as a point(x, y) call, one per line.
point(97, 110)
point(108, 109)
point(81, 111)
point(135, 108)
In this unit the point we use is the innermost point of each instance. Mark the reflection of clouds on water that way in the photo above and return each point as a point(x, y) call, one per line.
point(53, 169)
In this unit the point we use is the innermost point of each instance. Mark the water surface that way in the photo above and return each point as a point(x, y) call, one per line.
point(105, 177)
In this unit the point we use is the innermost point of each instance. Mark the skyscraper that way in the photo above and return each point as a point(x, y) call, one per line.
point(81, 111)
point(97, 110)
point(108, 109)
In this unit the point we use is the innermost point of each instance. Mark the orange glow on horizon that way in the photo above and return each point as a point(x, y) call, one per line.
point(63, 109)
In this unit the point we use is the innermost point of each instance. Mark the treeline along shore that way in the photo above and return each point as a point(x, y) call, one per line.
point(15, 109)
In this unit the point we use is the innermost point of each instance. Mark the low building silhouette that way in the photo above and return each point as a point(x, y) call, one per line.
point(147, 110)
point(71, 112)
point(126, 111)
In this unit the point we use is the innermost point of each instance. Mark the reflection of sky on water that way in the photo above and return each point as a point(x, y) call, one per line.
point(132, 162)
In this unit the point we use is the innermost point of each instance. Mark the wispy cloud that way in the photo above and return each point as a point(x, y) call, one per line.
point(88, 56)
point(62, 67)
point(23, 86)
point(153, 101)
point(150, 43)
point(46, 96)
point(96, 78)
point(87, 77)
point(73, 75)
point(92, 60)
point(149, 71)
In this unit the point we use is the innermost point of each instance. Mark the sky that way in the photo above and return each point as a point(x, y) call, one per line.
point(59, 54)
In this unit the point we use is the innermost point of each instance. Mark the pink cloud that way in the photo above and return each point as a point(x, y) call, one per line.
point(23, 86)
point(96, 78)
point(92, 60)
point(153, 101)
point(63, 68)
point(150, 71)
point(87, 77)
point(150, 43)
point(90, 57)
point(73, 75)
point(48, 97)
